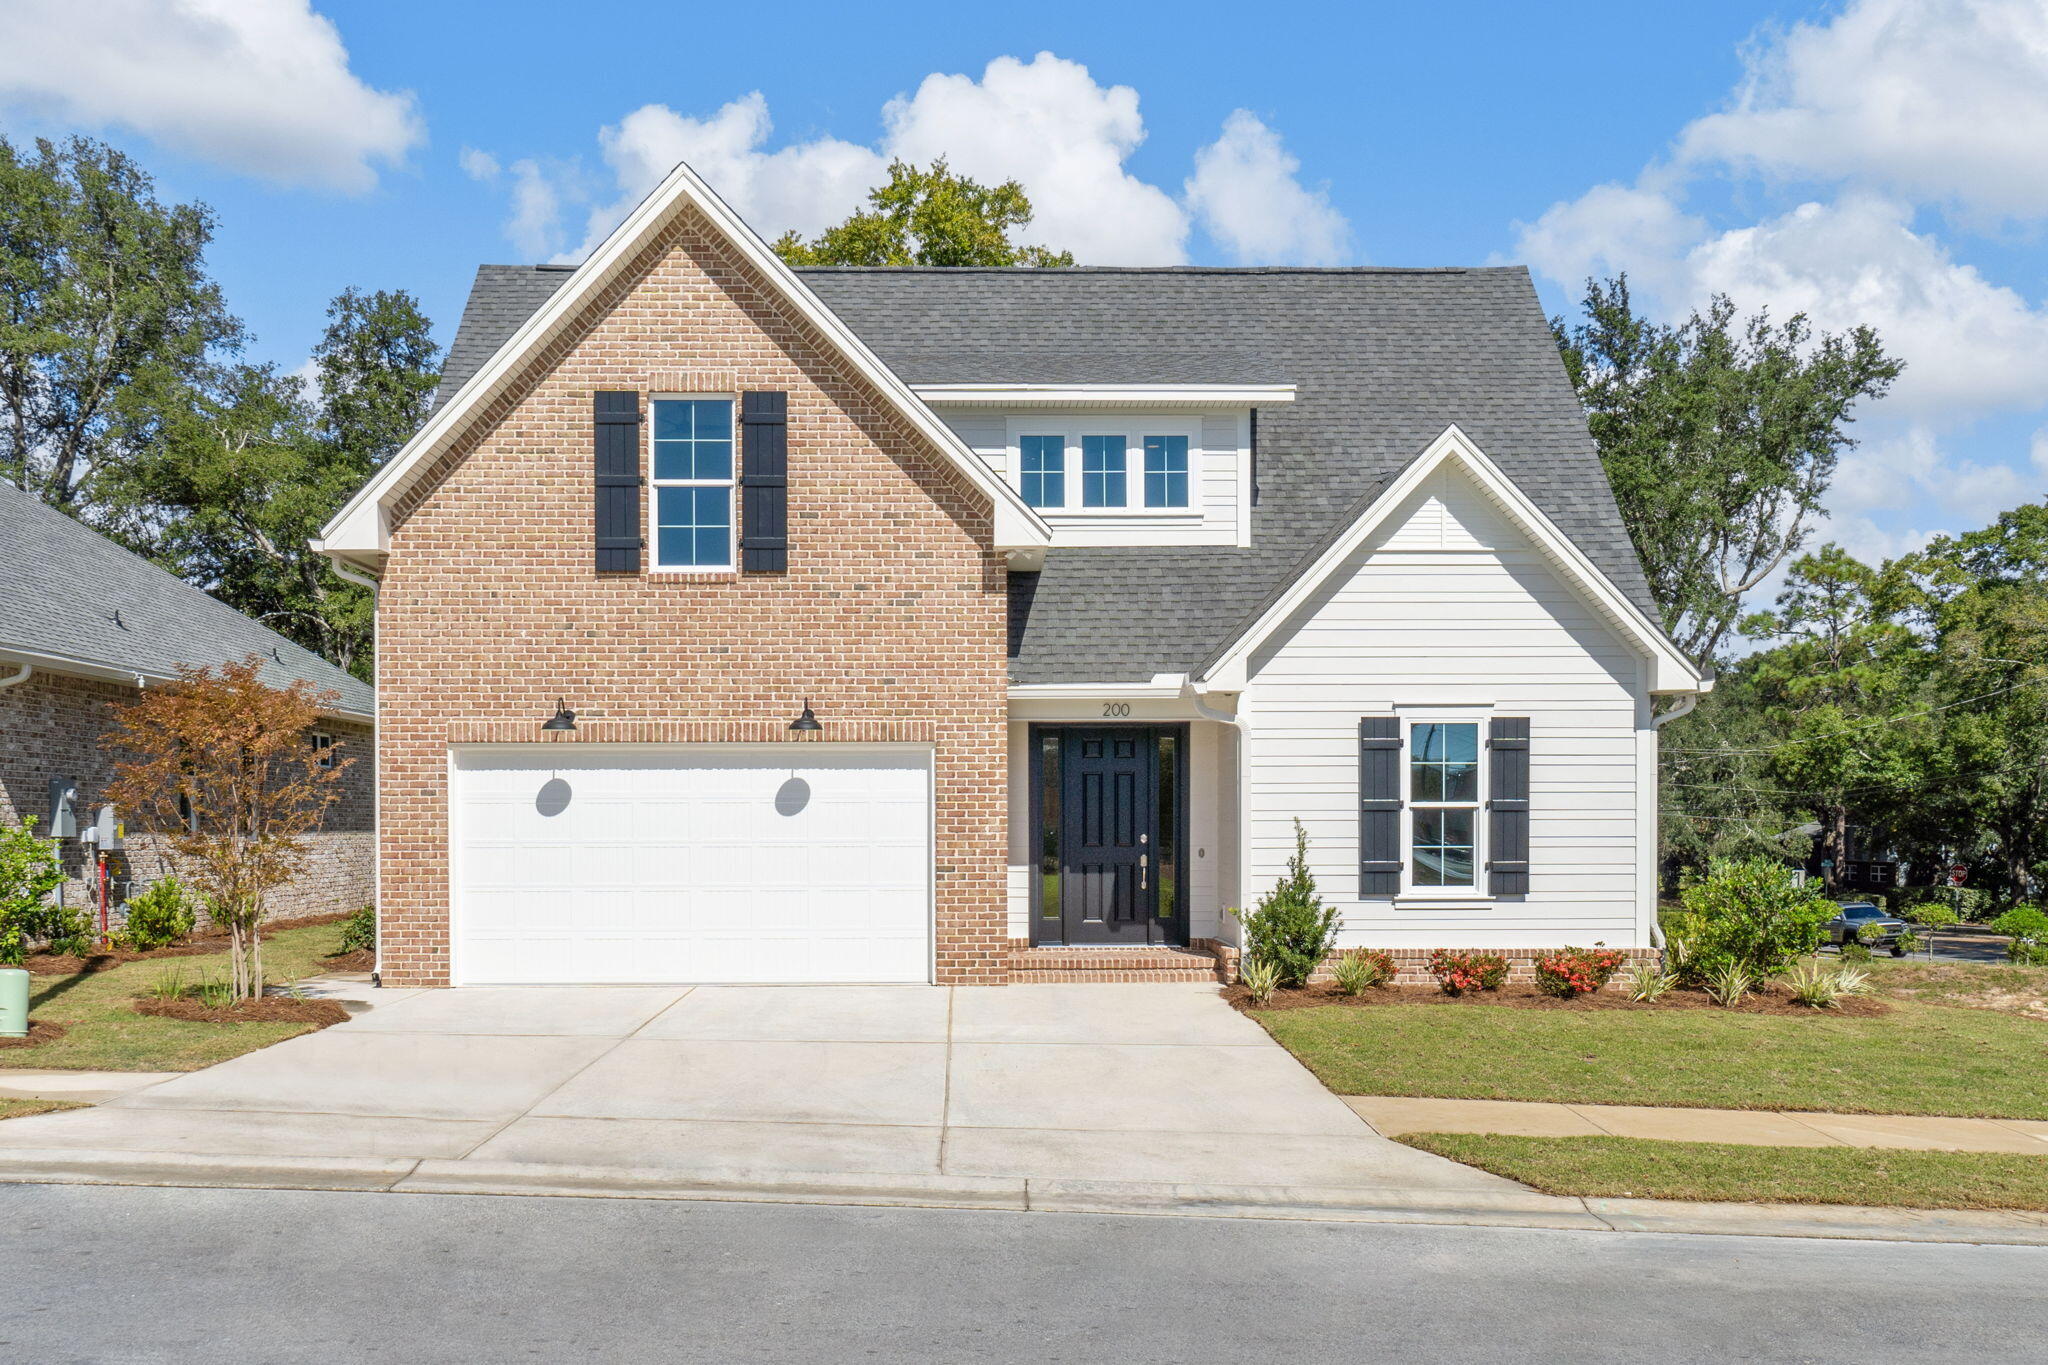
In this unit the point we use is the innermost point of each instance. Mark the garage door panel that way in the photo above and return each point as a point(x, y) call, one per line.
point(677, 864)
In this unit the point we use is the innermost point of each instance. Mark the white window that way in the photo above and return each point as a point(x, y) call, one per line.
point(323, 750)
point(1444, 803)
point(692, 506)
point(1095, 466)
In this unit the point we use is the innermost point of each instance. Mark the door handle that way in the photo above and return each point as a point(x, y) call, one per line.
point(1144, 871)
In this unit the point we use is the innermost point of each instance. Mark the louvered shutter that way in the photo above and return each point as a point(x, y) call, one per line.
point(764, 482)
point(616, 423)
point(1379, 806)
point(1507, 807)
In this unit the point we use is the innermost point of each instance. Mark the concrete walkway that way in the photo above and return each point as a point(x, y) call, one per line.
point(1392, 1115)
point(902, 1094)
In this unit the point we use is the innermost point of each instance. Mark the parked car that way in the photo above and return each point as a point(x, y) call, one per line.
point(1861, 919)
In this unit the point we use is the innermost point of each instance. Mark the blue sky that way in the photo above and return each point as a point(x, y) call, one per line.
point(1876, 160)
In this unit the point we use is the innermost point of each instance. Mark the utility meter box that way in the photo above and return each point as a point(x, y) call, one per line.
point(107, 830)
point(63, 812)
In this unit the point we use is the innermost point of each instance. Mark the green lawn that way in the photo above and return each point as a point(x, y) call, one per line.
point(103, 1034)
point(1919, 1059)
point(21, 1109)
point(1643, 1168)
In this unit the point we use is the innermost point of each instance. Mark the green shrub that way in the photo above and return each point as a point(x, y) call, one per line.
point(1259, 978)
point(1855, 950)
point(29, 872)
point(1970, 902)
point(2027, 930)
point(160, 916)
point(1359, 970)
point(1931, 915)
point(1749, 914)
point(1648, 982)
point(1729, 982)
point(359, 931)
point(1291, 928)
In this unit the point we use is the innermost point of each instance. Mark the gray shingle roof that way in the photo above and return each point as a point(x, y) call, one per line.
point(67, 591)
point(1383, 360)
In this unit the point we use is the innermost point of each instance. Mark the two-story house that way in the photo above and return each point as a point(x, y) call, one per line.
point(747, 624)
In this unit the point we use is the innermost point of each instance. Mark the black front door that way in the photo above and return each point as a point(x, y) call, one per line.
point(1109, 802)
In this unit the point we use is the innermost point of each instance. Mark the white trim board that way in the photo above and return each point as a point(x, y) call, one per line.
point(361, 530)
point(1670, 670)
point(1107, 395)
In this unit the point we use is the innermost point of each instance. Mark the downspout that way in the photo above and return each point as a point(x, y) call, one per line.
point(1244, 750)
point(1685, 706)
point(377, 758)
point(22, 675)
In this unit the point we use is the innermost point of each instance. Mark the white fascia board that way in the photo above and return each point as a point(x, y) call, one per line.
point(1670, 670)
point(69, 666)
point(1106, 395)
point(360, 531)
point(1163, 687)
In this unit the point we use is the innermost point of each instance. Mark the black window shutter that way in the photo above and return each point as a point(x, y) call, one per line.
point(1379, 806)
point(617, 427)
point(1507, 871)
point(764, 482)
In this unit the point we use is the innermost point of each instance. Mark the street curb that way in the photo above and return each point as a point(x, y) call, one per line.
point(1509, 1209)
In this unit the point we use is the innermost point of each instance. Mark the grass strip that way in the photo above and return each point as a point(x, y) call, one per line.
point(1645, 1168)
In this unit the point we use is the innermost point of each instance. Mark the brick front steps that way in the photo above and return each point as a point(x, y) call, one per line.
point(1046, 966)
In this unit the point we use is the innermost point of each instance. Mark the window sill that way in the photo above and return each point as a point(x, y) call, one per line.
point(1164, 513)
point(1411, 901)
point(697, 575)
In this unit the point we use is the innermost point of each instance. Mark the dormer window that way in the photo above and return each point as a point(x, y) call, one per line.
point(1097, 466)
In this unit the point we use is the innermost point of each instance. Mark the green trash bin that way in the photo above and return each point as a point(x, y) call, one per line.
point(13, 1002)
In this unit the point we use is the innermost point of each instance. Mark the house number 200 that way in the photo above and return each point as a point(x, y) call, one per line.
point(1116, 708)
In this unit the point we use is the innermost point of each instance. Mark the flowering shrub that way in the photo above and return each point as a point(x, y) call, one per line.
point(1461, 972)
point(1575, 971)
point(1356, 971)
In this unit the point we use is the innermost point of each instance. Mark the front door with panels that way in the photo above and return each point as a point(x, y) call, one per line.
point(1109, 806)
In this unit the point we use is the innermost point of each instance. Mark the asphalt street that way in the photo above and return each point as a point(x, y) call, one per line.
point(142, 1274)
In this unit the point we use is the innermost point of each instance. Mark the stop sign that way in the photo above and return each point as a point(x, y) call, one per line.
point(1956, 874)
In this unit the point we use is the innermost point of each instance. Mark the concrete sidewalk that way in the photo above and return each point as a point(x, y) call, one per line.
point(1393, 1115)
point(902, 1094)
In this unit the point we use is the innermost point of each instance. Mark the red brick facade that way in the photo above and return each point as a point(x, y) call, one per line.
point(890, 618)
point(53, 725)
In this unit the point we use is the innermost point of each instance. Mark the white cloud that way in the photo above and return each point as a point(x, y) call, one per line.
point(1046, 123)
point(1610, 229)
point(1248, 198)
point(1938, 100)
point(806, 186)
point(1909, 467)
point(479, 165)
point(536, 220)
point(259, 86)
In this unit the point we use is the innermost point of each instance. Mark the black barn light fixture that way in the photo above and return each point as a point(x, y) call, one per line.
point(806, 723)
point(563, 719)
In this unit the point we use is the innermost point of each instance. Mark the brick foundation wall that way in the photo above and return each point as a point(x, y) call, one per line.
point(892, 611)
point(53, 726)
point(1411, 965)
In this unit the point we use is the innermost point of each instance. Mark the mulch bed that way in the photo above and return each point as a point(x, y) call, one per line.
point(271, 1009)
point(359, 960)
point(1521, 995)
point(212, 941)
point(39, 1031)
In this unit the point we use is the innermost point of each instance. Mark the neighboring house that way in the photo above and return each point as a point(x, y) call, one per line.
point(84, 624)
point(939, 625)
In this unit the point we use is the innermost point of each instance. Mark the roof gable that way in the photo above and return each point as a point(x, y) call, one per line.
point(360, 531)
point(1227, 669)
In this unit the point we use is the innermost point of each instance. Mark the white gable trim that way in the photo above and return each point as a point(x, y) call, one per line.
point(1670, 670)
point(361, 530)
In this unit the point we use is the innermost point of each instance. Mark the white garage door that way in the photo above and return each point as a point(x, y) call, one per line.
point(684, 863)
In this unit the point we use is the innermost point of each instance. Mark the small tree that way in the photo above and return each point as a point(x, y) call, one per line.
point(220, 765)
point(29, 872)
point(1291, 928)
point(1746, 913)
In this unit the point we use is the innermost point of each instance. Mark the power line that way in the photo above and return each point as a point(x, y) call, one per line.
point(1872, 725)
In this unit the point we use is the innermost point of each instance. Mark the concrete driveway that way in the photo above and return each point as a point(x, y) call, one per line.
point(935, 1089)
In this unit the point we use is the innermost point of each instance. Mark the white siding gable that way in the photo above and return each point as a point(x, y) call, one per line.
point(1219, 456)
point(1450, 605)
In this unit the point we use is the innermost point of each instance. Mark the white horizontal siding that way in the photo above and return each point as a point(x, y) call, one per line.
point(1217, 454)
point(1450, 603)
